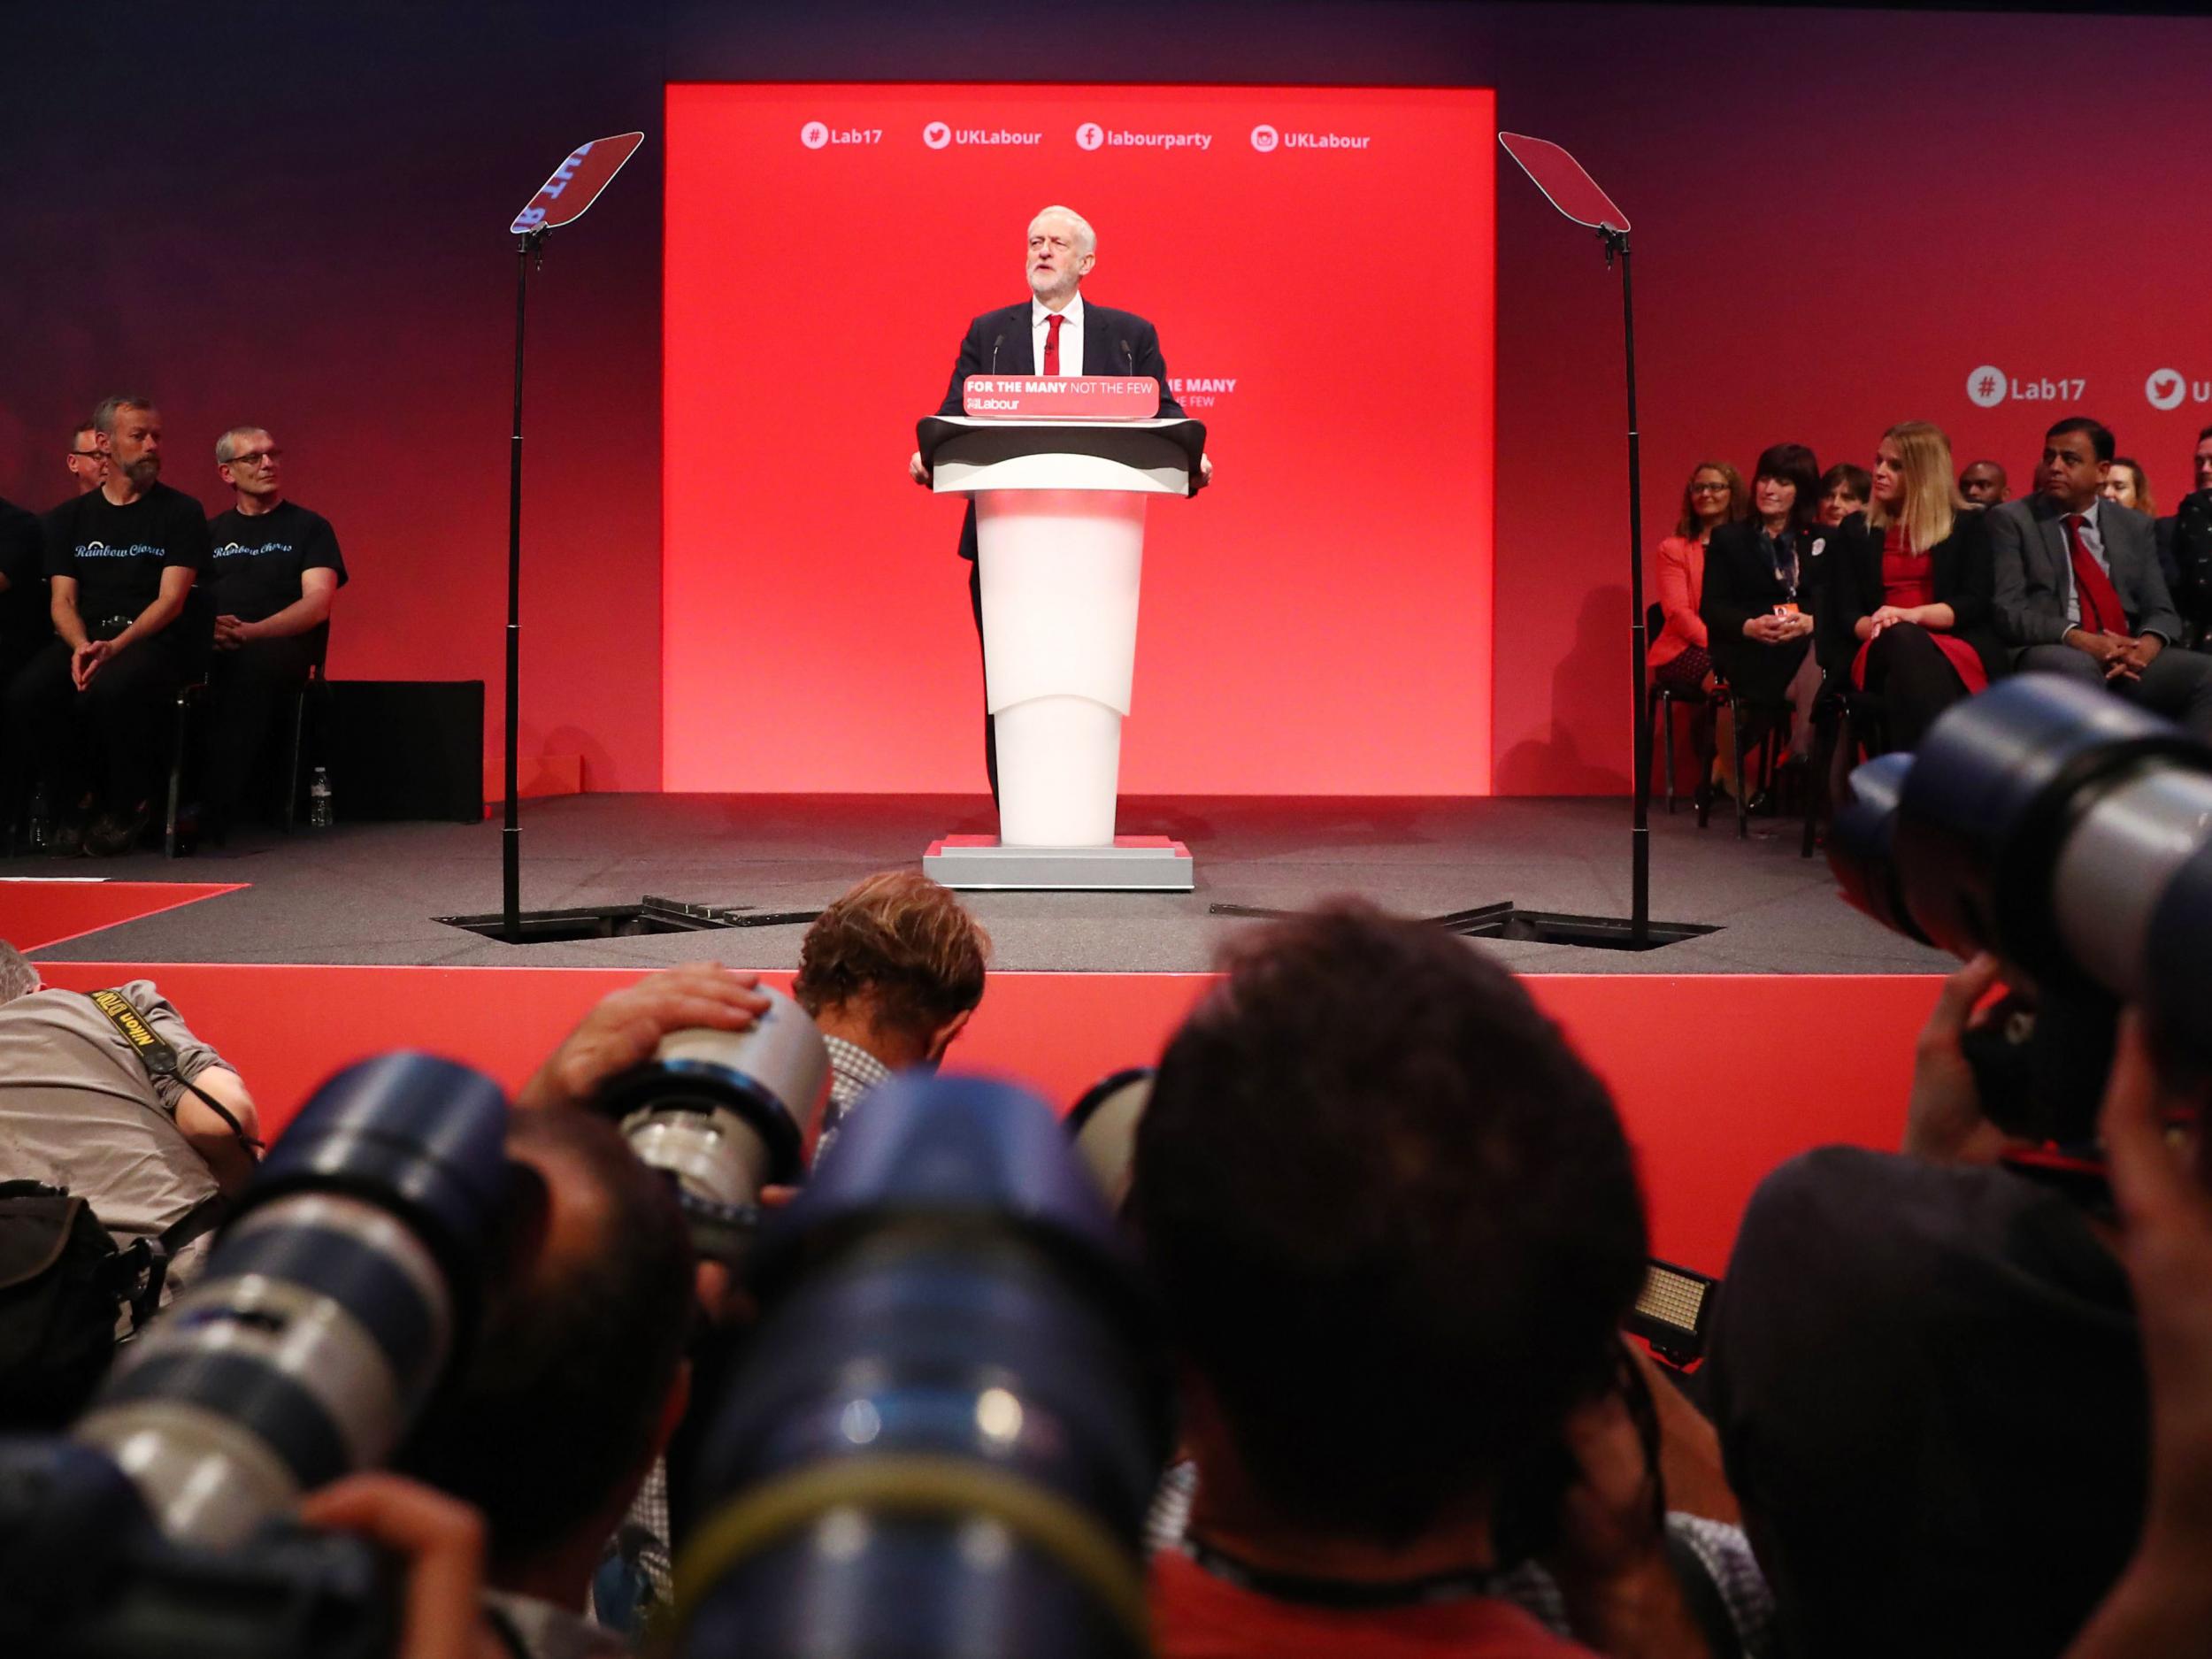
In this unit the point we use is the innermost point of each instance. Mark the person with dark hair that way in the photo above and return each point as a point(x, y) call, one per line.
point(274, 571)
point(2184, 548)
point(86, 461)
point(575, 1381)
point(1928, 1380)
point(120, 561)
point(26, 626)
point(1763, 582)
point(1394, 1223)
point(1844, 489)
point(2077, 588)
point(890, 973)
point(1907, 615)
point(1983, 484)
point(1713, 496)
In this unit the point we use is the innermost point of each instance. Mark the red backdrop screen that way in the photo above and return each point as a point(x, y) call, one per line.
point(1319, 265)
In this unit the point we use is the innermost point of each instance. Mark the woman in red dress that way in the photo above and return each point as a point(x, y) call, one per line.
point(1908, 611)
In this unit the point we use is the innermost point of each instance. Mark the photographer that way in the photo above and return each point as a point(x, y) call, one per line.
point(890, 973)
point(1928, 1379)
point(152, 1135)
point(1395, 1245)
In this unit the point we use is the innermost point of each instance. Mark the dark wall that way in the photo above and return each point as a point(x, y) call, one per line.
point(297, 217)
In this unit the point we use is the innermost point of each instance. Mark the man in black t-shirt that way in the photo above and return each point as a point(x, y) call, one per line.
point(273, 571)
point(93, 706)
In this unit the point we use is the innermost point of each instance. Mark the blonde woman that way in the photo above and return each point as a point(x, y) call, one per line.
point(2126, 482)
point(1908, 611)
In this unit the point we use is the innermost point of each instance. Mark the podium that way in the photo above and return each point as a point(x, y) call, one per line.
point(1060, 510)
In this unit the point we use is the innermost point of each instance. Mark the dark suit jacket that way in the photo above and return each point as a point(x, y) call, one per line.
point(2034, 575)
point(1740, 584)
point(1004, 334)
point(1962, 580)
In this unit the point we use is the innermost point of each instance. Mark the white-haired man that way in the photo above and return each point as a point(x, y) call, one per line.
point(1052, 332)
point(273, 572)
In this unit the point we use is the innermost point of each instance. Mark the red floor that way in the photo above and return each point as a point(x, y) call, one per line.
point(1719, 1077)
point(36, 913)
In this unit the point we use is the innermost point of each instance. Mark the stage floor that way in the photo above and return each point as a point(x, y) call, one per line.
point(366, 894)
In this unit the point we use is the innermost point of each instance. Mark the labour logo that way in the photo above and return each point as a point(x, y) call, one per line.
point(814, 135)
point(1265, 138)
point(2165, 389)
point(937, 135)
point(1090, 136)
point(1986, 386)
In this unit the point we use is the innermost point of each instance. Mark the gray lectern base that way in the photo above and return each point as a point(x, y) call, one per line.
point(1134, 864)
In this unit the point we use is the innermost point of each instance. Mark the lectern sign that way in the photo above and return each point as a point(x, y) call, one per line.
point(1057, 398)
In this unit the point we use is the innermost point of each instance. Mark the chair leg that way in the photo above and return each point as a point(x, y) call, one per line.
point(1817, 800)
point(295, 760)
point(1743, 778)
point(1666, 713)
point(170, 843)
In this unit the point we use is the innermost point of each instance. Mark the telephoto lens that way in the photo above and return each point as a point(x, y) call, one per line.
point(954, 1411)
point(331, 1305)
point(1103, 1124)
point(2066, 831)
point(724, 1113)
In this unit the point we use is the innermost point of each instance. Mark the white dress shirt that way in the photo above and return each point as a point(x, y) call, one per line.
point(1070, 336)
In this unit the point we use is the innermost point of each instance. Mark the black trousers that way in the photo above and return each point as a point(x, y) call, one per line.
point(2177, 684)
point(990, 727)
point(247, 689)
point(109, 740)
point(1908, 670)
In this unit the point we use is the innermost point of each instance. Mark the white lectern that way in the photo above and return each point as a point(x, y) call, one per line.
point(1059, 509)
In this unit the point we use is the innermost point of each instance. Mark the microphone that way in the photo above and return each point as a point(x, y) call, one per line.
point(995, 344)
point(1132, 357)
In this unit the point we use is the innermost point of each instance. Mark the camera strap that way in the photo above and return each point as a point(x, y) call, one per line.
point(160, 1059)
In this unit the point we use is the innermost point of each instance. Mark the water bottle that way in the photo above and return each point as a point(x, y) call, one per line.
point(318, 800)
point(39, 821)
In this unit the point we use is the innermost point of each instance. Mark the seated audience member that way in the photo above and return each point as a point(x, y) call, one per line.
point(573, 1384)
point(79, 1109)
point(2184, 548)
point(86, 461)
point(120, 560)
point(1983, 484)
point(2077, 588)
point(2162, 1606)
point(1844, 489)
point(1908, 615)
point(1714, 497)
point(2126, 482)
point(890, 973)
point(1927, 1374)
point(1395, 1224)
point(24, 627)
point(273, 571)
point(1762, 587)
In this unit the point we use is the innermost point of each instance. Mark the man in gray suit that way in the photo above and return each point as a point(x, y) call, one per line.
point(2078, 590)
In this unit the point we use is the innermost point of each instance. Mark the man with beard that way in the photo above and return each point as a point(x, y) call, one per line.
point(1052, 332)
point(91, 707)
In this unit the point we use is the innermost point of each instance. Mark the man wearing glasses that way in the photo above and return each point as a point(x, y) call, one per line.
point(87, 461)
point(270, 579)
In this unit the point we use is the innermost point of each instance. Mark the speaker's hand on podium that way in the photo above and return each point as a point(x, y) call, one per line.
point(915, 471)
point(1205, 469)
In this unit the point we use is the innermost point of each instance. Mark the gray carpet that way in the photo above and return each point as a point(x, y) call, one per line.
point(367, 892)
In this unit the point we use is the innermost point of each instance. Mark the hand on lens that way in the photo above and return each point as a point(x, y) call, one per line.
point(1944, 1120)
point(628, 1025)
point(439, 1539)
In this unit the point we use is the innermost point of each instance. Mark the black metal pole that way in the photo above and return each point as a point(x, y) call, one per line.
point(1639, 836)
point(511, 836)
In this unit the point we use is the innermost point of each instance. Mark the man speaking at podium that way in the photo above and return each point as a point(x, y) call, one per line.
point(1052, 333)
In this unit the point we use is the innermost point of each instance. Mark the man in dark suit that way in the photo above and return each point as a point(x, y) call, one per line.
point(2078, 590)
point(1052, 332)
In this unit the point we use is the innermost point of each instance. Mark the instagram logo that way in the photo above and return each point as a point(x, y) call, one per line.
point(1265, 138)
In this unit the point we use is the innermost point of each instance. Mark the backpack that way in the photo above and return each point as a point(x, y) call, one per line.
point(64, 1287)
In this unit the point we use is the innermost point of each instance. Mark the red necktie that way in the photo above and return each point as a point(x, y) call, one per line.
point(1052, 342)
point(2101, 611)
